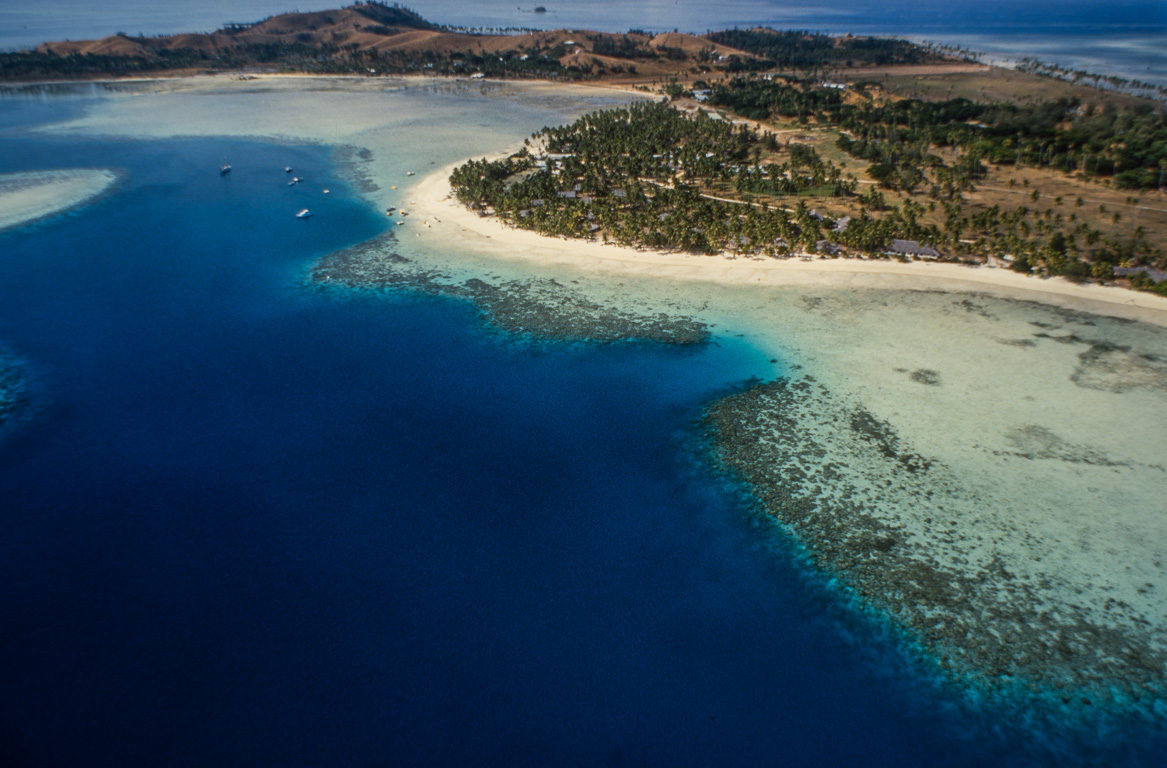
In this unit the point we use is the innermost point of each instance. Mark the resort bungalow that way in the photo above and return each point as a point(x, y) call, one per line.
point(912, 248)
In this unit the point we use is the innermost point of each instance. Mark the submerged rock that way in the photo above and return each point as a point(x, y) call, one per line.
point(540, 308)
point(906, 537)
point(13, 395)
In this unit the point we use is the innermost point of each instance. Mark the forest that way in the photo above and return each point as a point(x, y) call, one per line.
point(650, 175)
point(805, 50)
point(1127, 144)
point(941, 150)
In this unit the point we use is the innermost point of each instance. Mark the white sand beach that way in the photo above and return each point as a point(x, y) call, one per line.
point(28, 197)
point(456, 223)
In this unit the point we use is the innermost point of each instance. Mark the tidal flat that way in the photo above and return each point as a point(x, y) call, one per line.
point(29, 197)
point(984, 469)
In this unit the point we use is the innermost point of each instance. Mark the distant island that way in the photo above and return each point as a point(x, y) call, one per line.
point(373, 38)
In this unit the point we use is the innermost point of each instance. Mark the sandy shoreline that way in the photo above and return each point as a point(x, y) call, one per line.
point(445, 215)
point(28, 197)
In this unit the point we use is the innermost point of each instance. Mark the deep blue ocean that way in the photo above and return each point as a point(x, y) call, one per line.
point(253, 523)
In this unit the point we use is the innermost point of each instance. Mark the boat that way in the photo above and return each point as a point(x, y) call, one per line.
point(287, 169)
point(304, 214)
point(225, 170)
point(389, 211)
point(326, 191)
point(409, 173)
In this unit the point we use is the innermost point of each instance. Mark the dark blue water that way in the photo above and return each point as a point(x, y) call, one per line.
point(253, 523)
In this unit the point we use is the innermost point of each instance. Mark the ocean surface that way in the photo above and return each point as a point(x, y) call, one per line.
point(1127, 38)
point(253, 522)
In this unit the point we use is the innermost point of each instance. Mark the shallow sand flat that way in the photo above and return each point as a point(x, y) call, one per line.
point(993, 442)
point(1007, 454)
point(27, 197)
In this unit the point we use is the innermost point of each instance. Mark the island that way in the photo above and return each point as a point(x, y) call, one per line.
point(838, 170)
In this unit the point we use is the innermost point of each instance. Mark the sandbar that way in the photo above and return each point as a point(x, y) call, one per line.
point(34, 195)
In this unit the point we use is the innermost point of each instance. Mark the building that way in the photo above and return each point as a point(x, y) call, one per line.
point(912, 248)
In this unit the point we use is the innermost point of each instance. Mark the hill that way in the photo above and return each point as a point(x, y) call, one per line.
point(376, 38)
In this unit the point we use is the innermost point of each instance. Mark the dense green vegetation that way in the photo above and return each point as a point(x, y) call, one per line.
point(804, 50)
point(1128, 144)
point(649, 175)
point(940, 150)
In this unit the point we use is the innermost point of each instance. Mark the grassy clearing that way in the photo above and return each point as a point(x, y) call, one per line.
point(995, 85)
